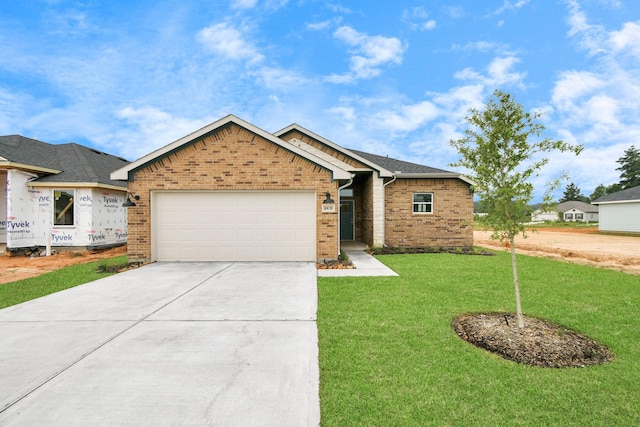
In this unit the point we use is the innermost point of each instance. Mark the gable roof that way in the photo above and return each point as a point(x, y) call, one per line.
point(625, 196)
point(578, 205)
point(383, 172)
point(68, 164)
point(387, 167)
point(123, 172)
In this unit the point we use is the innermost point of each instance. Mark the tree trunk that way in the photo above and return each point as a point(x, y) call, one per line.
point(516, 282)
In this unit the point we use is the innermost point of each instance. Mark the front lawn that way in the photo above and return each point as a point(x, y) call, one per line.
point(27, 289)
point(389, 356)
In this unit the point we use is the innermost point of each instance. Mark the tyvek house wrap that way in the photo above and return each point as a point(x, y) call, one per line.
point(3, 206)
point(99, 218)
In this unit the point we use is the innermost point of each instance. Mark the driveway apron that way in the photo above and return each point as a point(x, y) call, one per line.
point(227, 344)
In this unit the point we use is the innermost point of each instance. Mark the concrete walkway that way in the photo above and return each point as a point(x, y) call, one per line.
point(366, 264)
point(221, 344)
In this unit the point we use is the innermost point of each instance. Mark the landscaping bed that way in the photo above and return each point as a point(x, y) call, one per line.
point(539, 343)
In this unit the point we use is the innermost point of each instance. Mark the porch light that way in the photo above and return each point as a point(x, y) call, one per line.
point(128, 203)
point(328, 199)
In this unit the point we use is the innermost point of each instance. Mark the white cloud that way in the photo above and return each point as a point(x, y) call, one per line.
point(280, 79)
point(418, 19)
point(337, 8)
point(572, 85)
point(369, 54)
point(509, 6)
point(243, 4)
point(224, 39)
point(627, 39)
point(323, 25)
point(597, 106)
point(150, 128)
point(499, 73)
point(407, 118)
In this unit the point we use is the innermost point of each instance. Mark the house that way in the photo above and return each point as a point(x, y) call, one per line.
point(570, 211)
point(234, 192)
point(59, 196)
point(620, 211)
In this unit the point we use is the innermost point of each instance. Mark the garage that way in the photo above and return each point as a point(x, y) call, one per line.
point(234, 226)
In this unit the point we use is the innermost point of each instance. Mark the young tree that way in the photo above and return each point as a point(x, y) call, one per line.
point(629, 168)
point(497, 151)
point(572, 192)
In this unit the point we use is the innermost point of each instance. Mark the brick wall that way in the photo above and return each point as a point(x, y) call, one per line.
point(450, 224)
point(230, 158)
point(322, 147)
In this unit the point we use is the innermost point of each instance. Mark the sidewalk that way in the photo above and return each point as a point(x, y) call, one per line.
point(366, 264)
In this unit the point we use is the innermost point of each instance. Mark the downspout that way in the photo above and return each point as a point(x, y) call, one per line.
point(384, 210)
point(338, 198)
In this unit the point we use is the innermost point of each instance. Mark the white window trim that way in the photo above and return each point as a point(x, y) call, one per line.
point(414, 203)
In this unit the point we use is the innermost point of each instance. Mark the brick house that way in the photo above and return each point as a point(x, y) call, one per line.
point(234, 192)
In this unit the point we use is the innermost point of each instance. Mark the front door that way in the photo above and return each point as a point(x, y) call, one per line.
point(346, 220)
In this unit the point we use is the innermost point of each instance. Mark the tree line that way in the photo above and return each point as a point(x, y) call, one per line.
point(629, 177)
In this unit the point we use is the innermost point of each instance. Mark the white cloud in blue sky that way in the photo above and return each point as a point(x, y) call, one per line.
point(393, 78)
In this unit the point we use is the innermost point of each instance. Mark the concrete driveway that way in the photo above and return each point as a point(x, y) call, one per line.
point(228, 344)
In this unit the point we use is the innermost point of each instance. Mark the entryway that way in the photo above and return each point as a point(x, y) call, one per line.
point(346, 220)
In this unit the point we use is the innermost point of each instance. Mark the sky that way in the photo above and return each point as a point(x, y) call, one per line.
point(390, 78)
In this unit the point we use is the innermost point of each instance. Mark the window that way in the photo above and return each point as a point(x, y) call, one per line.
point(568, 217)
point(579, 217)
point(63, 207)
point(423, 203)
point(346, 192)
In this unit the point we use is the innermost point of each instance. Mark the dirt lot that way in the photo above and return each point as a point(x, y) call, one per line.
point(22, 267)
point(582, 246)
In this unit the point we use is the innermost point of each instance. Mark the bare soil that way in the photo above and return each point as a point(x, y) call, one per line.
point(539, 343)
point(19, 267)
point(577, 245)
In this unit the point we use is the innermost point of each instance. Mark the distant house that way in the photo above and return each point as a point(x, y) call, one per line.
point(570, 211)
point(620, 211)
point(60, 195)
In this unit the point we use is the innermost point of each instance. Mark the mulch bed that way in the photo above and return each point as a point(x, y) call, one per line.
point(464, 250)
point(335, 265)
point(539, 343)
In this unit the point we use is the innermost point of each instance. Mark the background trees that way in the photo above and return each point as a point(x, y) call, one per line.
point(629, 174)
point(572, 192)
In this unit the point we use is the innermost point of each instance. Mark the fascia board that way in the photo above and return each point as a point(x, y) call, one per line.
point(76, 185)
point(123, 173)
point(30, 168)
point(615, 202)
point(382, 172)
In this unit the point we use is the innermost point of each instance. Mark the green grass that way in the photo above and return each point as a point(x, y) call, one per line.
point(48, 283)
point(389, 357)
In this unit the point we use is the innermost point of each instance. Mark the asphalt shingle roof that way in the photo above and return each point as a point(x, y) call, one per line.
point(632, 193)
point(395, 165)
point(77, 162)
point(576, 204)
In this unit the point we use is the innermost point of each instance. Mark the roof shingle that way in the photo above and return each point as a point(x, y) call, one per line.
point(77, 163)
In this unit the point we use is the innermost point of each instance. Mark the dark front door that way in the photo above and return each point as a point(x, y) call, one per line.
point(346, 220)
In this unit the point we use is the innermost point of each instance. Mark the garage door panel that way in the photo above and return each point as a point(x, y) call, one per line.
point(234, 226)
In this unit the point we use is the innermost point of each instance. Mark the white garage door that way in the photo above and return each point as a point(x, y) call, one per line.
point(234, 226)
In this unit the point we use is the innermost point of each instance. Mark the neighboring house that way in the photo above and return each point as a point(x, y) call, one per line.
point(59, 195)
point(620, 211)
point(232, 192)
point(570, 211)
